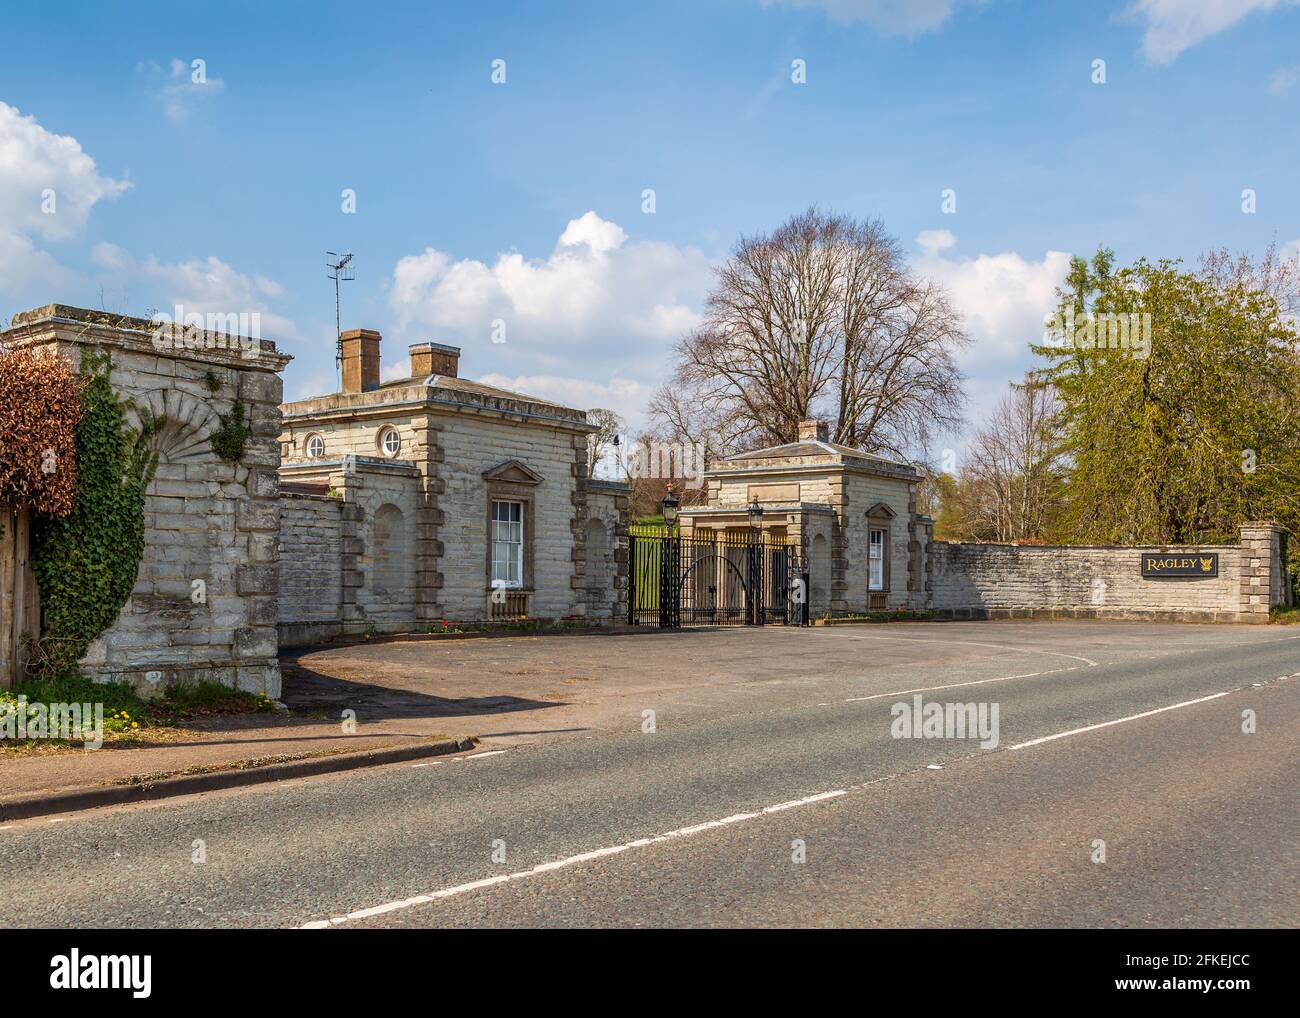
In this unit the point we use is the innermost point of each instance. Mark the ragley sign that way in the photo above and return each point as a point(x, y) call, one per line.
point(1183, 565)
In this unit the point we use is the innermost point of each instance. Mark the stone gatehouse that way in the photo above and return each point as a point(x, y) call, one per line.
point(434, 497)
point(868, 550)
point(854, 514)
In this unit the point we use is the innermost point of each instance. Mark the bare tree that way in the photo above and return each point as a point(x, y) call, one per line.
point(821, 318)
point(1009, 485)
point(610, 426)
point(1276, 272)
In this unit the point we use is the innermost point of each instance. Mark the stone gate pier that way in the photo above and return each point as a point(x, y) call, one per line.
point(204, 604)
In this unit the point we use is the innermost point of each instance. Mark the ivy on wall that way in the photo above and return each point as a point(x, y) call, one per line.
point(86, 562)
point(228, 441)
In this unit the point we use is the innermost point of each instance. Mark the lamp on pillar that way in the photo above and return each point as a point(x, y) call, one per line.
point(669, 507)
point(754, 584)
point(670, 591)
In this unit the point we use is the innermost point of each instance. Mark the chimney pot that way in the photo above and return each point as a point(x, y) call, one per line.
point(813, 431)
point(434, 359)
point(360, 360)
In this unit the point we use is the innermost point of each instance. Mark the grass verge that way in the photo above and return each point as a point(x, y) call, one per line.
point(127, 715)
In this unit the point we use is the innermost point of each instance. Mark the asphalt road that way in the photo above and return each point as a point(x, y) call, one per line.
point(782, 803)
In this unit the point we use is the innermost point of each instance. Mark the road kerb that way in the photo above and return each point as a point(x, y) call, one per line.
point(73, 799)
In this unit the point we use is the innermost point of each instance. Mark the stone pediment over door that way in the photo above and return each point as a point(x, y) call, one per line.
point(513, 472)
point(880, 511)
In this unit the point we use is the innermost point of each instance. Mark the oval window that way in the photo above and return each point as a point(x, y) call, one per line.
point(390, 442)
point(315, 446)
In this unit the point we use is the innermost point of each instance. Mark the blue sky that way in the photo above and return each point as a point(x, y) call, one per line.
point(522, 202)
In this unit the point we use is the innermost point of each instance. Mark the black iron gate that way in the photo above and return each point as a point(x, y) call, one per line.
point(715, 579)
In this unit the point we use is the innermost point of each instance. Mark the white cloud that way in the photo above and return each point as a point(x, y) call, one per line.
point(934, 241)
point(34, 161)
point(26, 270)
point(394, 370)
point(203, 285)
point(182, 85)
point(590, 325)
point(597, 235)
point(1284, 80)
point(1003, 297)
point(1174, 25)
point(48, 185)
point(625, 395)
point(593, 321)
point(893, 17)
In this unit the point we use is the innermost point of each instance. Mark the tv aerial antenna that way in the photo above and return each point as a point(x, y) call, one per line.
point(341, 271)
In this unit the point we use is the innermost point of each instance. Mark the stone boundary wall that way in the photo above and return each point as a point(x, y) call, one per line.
point(1027, 581)
point(606, 566)
point(311, 568)
point(348, 532)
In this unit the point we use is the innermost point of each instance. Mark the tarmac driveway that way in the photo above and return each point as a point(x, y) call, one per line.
point(525, 687)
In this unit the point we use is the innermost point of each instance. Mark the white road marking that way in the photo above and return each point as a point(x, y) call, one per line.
point(955, 685)
point(819, 797)
point(1120, 721)
point(972, 643)
point(573, 860)
point(684, 832)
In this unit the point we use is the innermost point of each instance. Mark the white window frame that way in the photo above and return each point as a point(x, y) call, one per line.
point(384, 435)
point(307, 447)
point(507, 550)
point(876, 570)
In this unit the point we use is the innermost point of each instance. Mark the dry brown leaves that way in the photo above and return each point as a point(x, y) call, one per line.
point(40, 405)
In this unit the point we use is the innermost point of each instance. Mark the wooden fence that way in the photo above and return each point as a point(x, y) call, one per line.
point(20, 606)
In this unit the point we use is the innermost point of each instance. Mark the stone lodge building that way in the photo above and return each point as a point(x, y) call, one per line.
point(853, 513)
point(435, 497)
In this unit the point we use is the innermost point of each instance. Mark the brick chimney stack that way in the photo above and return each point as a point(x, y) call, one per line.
point(434, 359)
point(360, 360)
point(813, 431)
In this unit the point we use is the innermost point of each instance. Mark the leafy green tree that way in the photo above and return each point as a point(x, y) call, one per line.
point(946, 508)
point(1186, 425)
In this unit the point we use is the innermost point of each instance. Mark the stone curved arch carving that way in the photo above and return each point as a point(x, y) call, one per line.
point(390, 551)
point(187, 424)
